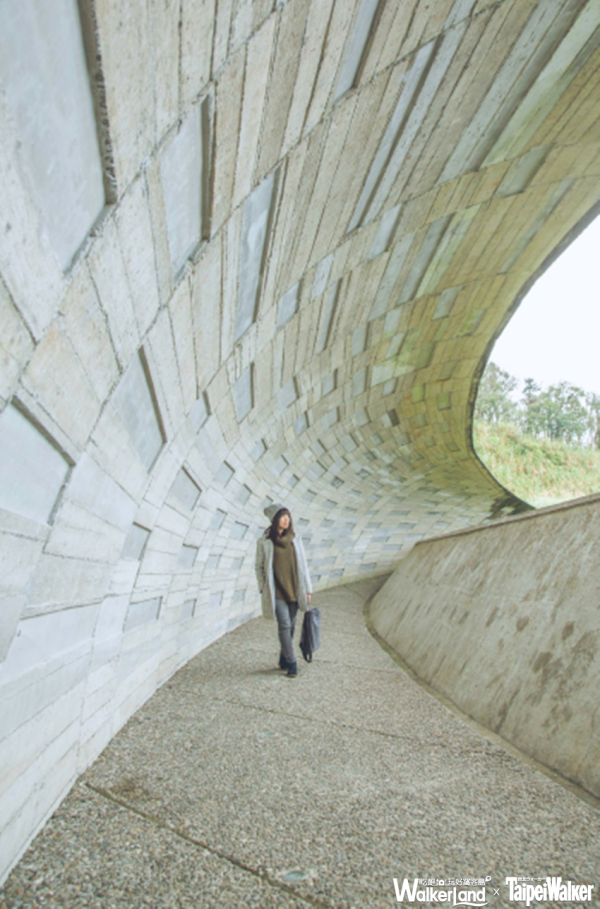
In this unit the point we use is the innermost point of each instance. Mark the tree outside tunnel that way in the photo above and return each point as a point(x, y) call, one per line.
point(543, 445)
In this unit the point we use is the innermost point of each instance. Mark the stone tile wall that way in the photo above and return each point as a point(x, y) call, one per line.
point(284, 202)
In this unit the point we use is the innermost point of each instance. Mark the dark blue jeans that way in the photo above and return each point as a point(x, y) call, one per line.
point(286, 622)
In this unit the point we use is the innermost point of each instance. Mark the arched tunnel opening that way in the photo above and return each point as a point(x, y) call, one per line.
point(535, 421)
point(256, 253)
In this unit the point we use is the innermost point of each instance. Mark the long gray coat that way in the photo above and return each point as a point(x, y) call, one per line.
point(266, 577)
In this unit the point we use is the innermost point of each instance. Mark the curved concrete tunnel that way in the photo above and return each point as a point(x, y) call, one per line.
point(251, 252)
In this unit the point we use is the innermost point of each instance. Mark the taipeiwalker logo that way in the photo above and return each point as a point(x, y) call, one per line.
point(432, 894)
point(553, 890)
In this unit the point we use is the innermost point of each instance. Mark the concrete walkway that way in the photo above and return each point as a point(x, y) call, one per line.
point(236, 787)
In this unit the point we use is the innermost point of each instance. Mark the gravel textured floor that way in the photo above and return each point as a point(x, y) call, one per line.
point(235, 786)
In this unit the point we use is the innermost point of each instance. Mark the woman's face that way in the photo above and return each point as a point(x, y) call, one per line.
point(284, 523)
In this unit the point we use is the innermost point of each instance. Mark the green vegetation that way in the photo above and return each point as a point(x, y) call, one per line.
point(543, 447)
point(537, 470)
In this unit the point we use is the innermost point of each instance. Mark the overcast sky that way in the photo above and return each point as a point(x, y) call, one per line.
point(555, 333)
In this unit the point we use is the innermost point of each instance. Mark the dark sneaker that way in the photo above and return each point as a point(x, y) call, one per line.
point(283, 663)
point(292, 670)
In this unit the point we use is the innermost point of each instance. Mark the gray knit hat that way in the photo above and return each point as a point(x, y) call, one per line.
point(271, 510)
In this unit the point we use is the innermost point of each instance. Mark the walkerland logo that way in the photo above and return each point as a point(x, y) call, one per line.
point(554, 890)
point(452, 895)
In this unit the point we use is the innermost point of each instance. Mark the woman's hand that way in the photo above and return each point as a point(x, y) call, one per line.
point(308, 596)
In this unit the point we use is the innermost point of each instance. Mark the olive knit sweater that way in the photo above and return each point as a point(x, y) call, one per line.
point(284, 567)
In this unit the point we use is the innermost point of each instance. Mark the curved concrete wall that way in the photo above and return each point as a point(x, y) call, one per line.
point(504, 621)
point(250, 252)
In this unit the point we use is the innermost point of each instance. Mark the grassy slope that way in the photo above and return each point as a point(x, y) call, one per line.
point(539, 471)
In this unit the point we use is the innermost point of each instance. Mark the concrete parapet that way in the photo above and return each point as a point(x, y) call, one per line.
point(504, 621)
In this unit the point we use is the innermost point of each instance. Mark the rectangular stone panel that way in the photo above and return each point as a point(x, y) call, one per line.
point(217, 519)
point(200, 411)
point(435, 69)
point(187, 556)
point(142, 613)
point(224, 474)
point(556, 198)
point(206, 446)
point(316, 471)
point(43, 74)
point(187, 610)
point(256, 80)
point(328, 314)
point(446, 302)
point(359, 340)
point(522, 171)
point(287, 394)
point(135, 404)
point(384, 232)
point(243, 495)
point(329, 383)
point(321, 278)
point(135, 543)
point(238, 531)
point(258, 450)
point(32, 470)
point(253, 243)
point(97, 493)
point(391, 274)
point(432, 239)
point(356, 48)
point(279, 465)
point(301, 424)
point(359, 383)
point(330, 418)
point(288, 305)
point(411, 86)
point(185, 489)
point(243, 394)
point(181, 177)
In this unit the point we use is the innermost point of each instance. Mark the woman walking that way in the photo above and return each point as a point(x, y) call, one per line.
point(283, 579)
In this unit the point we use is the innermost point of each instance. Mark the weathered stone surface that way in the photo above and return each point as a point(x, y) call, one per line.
point(53, 371)
point(181, 178)
point(110, 278)
point(46, 86)
point(86, 327)
point(406, 214)
point(136, 242)
point(228, 115)
point(536, 687)
point(35, 292)
point(197, 24)
point(160, 237)
point(16, 345)
point(129, 81)
point(255, 88)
